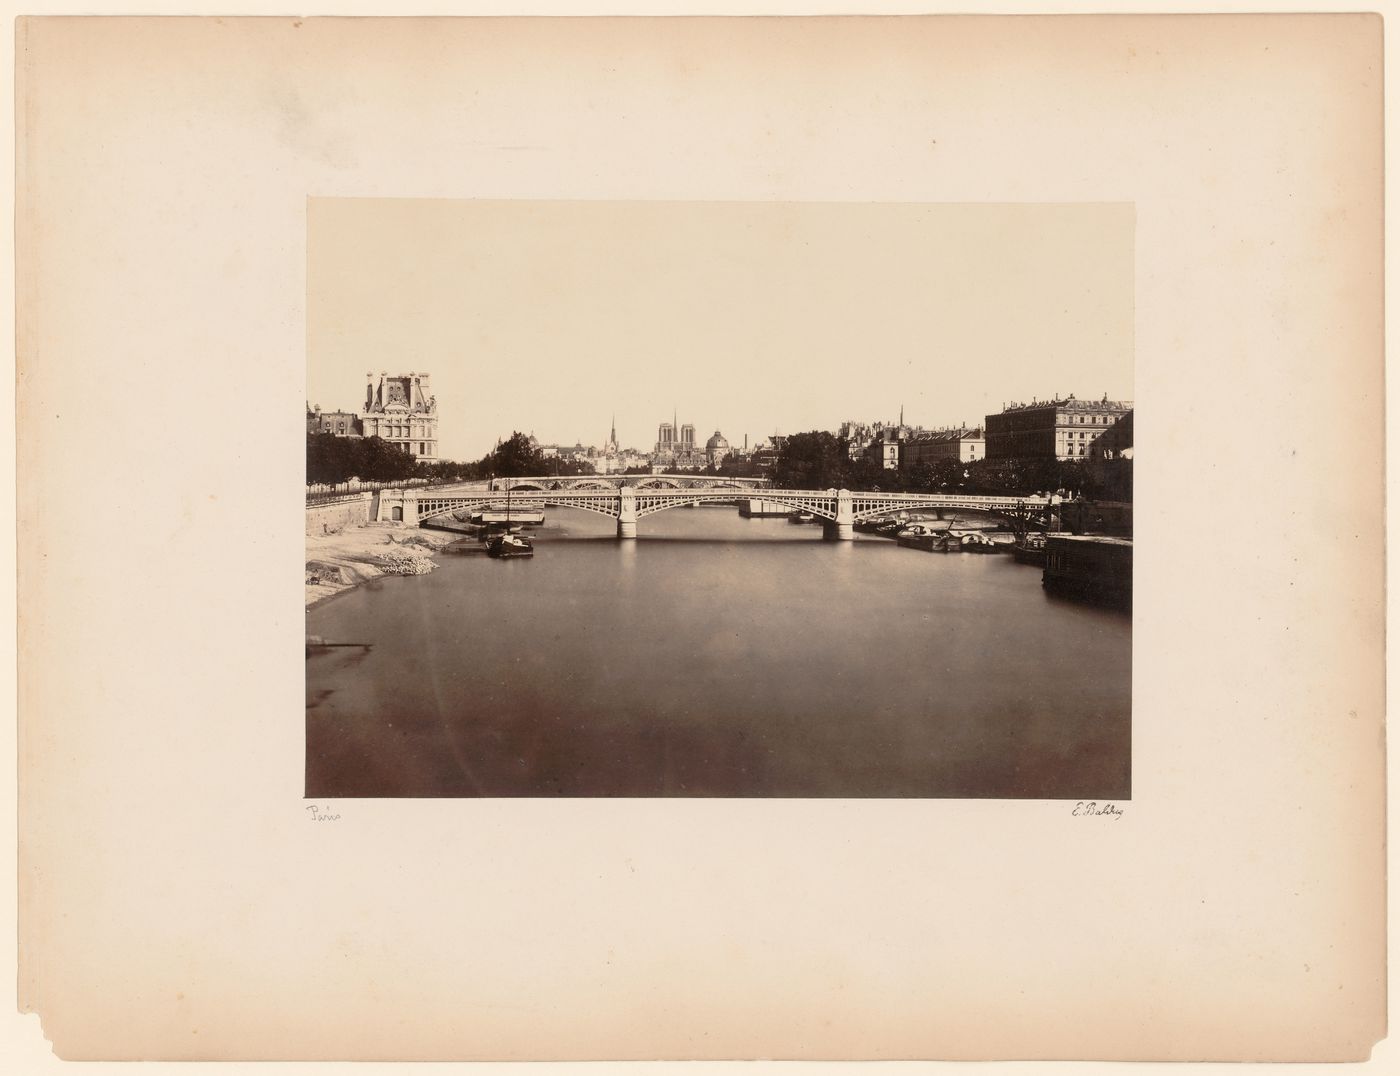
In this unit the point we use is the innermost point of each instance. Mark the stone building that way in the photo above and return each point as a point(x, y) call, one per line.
point(716, 449)
point(675, 449)
point(1116, 443)
point(959, 443)
point(403, 411)
point(1065, 429)
point(340, 423)
point(884, 450)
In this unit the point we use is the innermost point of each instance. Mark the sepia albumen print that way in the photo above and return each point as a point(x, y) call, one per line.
point(719, 499)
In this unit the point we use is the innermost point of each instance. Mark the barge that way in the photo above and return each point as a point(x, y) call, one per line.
point(1093, 567)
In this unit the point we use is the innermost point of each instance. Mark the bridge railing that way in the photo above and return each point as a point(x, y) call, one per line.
point(317, 500)
point(736, 482)
point(316, 491)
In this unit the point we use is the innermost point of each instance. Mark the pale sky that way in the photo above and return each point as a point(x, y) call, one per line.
point(746, 317)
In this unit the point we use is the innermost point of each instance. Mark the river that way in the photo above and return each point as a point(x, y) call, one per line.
point(718, 656)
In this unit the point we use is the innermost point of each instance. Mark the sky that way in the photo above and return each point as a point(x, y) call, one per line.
point(750, 318)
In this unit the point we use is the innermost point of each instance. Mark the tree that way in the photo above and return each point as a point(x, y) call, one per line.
point(515, 457)
point(332, 459)
point(815, 460)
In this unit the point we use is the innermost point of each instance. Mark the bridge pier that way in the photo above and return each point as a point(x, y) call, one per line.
point(844, 527)
point(627, 513)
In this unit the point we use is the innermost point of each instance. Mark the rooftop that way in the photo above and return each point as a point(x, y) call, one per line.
point(955, 433)
point(1071, 403)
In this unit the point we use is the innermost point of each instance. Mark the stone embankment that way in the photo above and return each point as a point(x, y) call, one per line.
point(347, 556)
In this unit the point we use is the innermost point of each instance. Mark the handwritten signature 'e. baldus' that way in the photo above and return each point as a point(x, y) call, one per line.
point(1093, 809)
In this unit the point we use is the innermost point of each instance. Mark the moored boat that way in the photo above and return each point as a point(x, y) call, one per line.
point(496, 514)
point(509, 545)
point(977, 543)
point(1030, 551)
point(918, 536)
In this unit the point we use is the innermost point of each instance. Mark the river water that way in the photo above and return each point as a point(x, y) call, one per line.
point(718, 656)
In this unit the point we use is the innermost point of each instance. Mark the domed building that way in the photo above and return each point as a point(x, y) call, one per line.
point(716, 448)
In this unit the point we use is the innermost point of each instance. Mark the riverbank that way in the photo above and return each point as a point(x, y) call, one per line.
point(354, 555)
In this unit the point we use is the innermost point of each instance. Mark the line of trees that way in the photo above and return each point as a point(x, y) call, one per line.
point(331, 459)
point(821, 460)
point(814, 460)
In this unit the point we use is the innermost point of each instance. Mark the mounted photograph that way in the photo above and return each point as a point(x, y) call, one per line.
point(719, 499)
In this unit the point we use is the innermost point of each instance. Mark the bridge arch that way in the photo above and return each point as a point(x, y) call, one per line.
point(628, 504)
point(1017, 512)
point(432, 510)
point(819, 504)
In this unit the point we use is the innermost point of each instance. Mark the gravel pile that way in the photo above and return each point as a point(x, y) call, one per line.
point(401, 562)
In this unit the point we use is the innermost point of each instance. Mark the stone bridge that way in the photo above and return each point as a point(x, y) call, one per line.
point(840, 509)
point(637, 481)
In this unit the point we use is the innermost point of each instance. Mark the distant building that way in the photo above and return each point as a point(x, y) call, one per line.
point(340, 423)
point(399, 410)
point(1116, 442)
point(884, 450)
point(765, 455)
point(959, 443)
point(1065, 429)
point(676, 451)
point(608, 460)
point(403, 412)
point(858, 437)
point(716, 449)
point(872, 440)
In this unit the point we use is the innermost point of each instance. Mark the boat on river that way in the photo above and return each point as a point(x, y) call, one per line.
point(1031, 550)
point(506, 514)
point(317, 645)
point(802, 517)
point(976, 543)
point(507, 544)
point(920, 536)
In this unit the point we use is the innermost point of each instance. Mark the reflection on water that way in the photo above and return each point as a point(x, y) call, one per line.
point(718, 656)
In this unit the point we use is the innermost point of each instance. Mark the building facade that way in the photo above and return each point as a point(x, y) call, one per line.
point(716, 449)
point(960, 443)
point(885, 450)
point(675, 449)
point(402, 411)
point(1117, 441)
point(339, 423)
point(1065, 429)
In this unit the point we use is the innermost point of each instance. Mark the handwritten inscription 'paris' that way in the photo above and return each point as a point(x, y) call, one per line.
point(1092, 809)
point(321, 814)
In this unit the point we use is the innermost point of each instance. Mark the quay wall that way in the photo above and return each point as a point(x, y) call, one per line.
point(323, 518)
point(1097, 517)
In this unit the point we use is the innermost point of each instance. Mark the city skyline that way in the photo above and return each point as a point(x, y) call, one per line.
point(558, 318)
